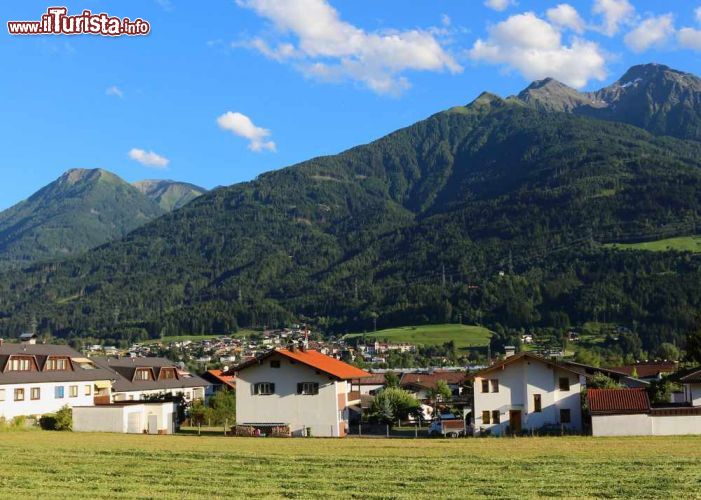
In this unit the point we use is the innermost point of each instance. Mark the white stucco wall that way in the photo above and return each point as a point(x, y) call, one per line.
point(518, 382)
point(320, 412)
point(117, 418)
point(645, 425)
point(48, 403)
point(621, 425)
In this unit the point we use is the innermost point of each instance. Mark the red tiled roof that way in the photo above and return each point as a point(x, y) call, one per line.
point(429, 380)
point(606, 401)
point(314, 359)
point(226, 379)
point(647, 370)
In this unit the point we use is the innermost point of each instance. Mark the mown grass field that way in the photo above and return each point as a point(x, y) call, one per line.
point(72, 465)
point(464, 336)
point(680, 244)
point(197, 338)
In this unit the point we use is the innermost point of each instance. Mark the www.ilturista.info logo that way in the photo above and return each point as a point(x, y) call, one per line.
point(56, 21)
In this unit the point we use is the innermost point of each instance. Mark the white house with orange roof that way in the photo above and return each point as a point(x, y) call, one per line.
point(297, 388)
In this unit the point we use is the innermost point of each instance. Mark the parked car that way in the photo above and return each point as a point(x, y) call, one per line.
point(448, 426)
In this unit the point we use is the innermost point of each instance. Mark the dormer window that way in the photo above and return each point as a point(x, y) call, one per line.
point(143, 374)
point(167, 373)
point(56, 364)
point(21, 364)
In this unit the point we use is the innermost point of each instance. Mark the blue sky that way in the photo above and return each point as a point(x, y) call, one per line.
point(223, 90)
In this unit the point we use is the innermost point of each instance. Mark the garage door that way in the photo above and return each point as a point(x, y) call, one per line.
point(134, 424)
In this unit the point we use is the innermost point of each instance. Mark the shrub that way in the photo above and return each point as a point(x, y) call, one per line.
point(62, 420)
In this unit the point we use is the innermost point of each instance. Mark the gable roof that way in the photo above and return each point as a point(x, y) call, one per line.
point(692, 378)
point(371, 379)
point(430, 380)
point(220, 377)
point(124, 370)
point(313, 359)
point(81, 369)
point(523, 356)
point(618, 401)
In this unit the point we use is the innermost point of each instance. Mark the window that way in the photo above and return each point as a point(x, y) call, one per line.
point(20, 365)
point(264, 388)
point(564, 383)
point(485, 418)
point(56, 364)
point(35, 393)
point(19, 394)
point(485, 385)
point(537, 405)
point(88, 390)
point(275, 363)
point(308, 388)
point(2, 394)
point(142, 374)
point(73, 391)
point(59, 392)
point(496, 417)
point(167, 373)
point(565, 416)
point(495, 385)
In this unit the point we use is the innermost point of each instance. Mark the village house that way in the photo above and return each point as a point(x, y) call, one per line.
point(628, 412)
point(297, 389)
point(526, 393)
point(138, 379)
point(36, 379)
point(219, 380)
point(369, 384)
point(422, 384)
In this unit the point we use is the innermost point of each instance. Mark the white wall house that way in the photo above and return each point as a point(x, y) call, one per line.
point(525, 393)
point(138, 379)
point(299, 388)
point(36, 379)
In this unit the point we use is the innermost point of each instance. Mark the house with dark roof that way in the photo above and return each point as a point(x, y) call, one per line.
point(526, 393)
point(36, 379)
point(297, 389)
point(422, 383)
point(137, 379)
point(691, 382)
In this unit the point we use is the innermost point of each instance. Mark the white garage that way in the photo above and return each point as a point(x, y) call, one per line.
point(127, 418)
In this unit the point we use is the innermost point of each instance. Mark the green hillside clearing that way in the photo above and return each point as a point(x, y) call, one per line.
point(464, 336)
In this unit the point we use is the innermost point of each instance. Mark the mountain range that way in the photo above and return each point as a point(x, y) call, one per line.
point(81, 210)
point(497, 212)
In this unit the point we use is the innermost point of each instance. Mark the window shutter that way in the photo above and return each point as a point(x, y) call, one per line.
point(316, 388)
point(272, 388)
point(254, 389)
point(300, 387)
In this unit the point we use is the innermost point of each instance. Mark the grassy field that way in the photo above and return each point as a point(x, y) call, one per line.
point(681, 244)
point(464, 336)
point(72, 465)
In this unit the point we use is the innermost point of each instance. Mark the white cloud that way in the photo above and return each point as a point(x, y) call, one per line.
point(615, 13)
point(652, 31)
point(149, 158)
point(241, 125)
point(566, 16)
point(114, 91)
point(689, 38)
point(697, 14)
point(499, 4)
point(327, 48)
point(445, 20)
point(534, 47)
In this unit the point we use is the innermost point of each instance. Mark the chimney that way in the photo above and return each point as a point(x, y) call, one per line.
point(509, 350)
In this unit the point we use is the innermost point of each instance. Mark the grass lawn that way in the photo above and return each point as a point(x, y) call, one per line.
point(681, 244)
point(72, 465)
point(464, 336)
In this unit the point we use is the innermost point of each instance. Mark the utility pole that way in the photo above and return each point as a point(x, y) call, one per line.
point(240, 294)
point(443, 276)
point(355, 285)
